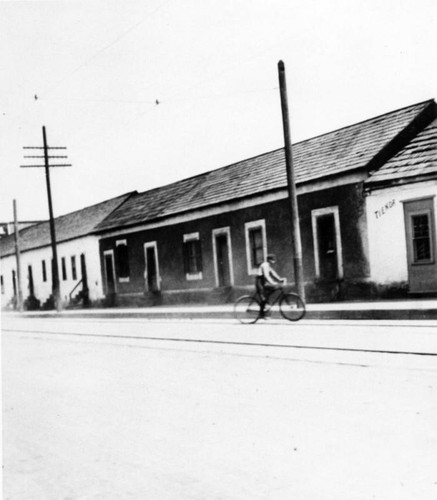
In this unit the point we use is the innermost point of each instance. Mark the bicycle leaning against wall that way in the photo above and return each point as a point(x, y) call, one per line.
point(247, 309)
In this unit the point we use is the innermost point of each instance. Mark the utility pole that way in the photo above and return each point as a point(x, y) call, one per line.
point(18, 257)
point(294, 211)
point(47, 166)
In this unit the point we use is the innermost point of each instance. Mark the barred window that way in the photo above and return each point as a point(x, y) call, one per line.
point(422, 248)
point(256, 244)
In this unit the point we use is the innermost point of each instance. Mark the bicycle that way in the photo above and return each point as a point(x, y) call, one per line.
point(247, 309)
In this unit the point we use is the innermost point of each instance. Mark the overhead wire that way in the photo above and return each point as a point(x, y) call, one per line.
point(155, 102)
point(160, 101)
point(106, 47)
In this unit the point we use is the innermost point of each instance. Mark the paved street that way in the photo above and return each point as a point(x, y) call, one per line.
point(156, 409)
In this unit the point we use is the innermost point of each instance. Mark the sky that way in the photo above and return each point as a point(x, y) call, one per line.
point(147, 93)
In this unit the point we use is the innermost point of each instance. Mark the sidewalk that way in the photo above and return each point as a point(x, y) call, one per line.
point(383, 310)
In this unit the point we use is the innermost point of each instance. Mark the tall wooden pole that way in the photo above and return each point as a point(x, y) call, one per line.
point(18, 257)
point(55, 269)
point(294, 212)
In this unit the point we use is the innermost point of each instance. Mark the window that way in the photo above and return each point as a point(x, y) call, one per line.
point(64, 269)
point(421, 238)
point(44, 270)
point(122, 260)
point(73, 268)
point(192, 257)
point(256, 245)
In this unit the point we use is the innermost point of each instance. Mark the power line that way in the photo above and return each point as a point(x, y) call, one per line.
point(209, 97)
point(155, 102)
point(47, 166)
point(106, 47)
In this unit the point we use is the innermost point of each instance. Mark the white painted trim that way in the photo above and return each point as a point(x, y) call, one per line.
point(152, 244)
point(235, 205)
point(187, 290)
point(314, 215)
point(194, 276)
point(250, 225)
point(215, 232)
point(191, 237)
point(409, 188)
point(429, 213)
point(124, 279)
point(111, 253)
point(420, 198)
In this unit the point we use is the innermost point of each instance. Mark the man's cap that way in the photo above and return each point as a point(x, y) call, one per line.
point(271, 256)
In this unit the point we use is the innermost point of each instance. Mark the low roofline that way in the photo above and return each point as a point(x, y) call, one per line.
point(229, 200)
point(427, 101)
point(25, 221)
point(370, 186)
point(277, 150)
point(24, 230)
point(128, 194)
point(48, 245)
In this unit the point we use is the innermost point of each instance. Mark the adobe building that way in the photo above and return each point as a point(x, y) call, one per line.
point(366, 197)
point(78, 255)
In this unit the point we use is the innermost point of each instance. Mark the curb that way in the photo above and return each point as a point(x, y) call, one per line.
point(312, 314)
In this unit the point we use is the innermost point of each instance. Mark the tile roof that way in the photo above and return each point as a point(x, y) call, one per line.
point(70, 226)
point(337, 152)
point(418, 158)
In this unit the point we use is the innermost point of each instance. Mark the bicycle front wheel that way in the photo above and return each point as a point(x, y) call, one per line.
point(247, 309)
point(292, 307)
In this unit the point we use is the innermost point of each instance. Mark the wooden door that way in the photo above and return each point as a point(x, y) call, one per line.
point(421, 245)
point(327, 247)
point(222, 249)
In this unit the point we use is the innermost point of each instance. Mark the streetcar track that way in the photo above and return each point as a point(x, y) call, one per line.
point(222, 342)
point(305, 322)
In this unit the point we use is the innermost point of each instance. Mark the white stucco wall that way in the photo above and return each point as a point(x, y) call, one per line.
point(88, 246)
point(387, 241)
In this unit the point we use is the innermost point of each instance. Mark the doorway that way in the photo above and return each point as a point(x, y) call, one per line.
point(30, 281)
point(327, 247)
point(421, 245)
point(151, 271)
point(221, 240)
point(109, 272)
point(327, 244)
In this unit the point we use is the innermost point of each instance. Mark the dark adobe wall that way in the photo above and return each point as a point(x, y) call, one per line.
point(175, 286)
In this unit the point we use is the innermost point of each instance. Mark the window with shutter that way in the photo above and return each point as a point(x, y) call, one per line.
point(192, 252)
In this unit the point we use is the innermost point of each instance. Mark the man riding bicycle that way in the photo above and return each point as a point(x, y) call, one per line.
point(267, 281)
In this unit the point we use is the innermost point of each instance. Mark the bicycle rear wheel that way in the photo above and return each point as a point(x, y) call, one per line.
point(292, 307)
point(247, 309)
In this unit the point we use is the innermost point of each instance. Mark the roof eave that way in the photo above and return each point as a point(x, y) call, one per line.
point(370, 185)
point(419, 123)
